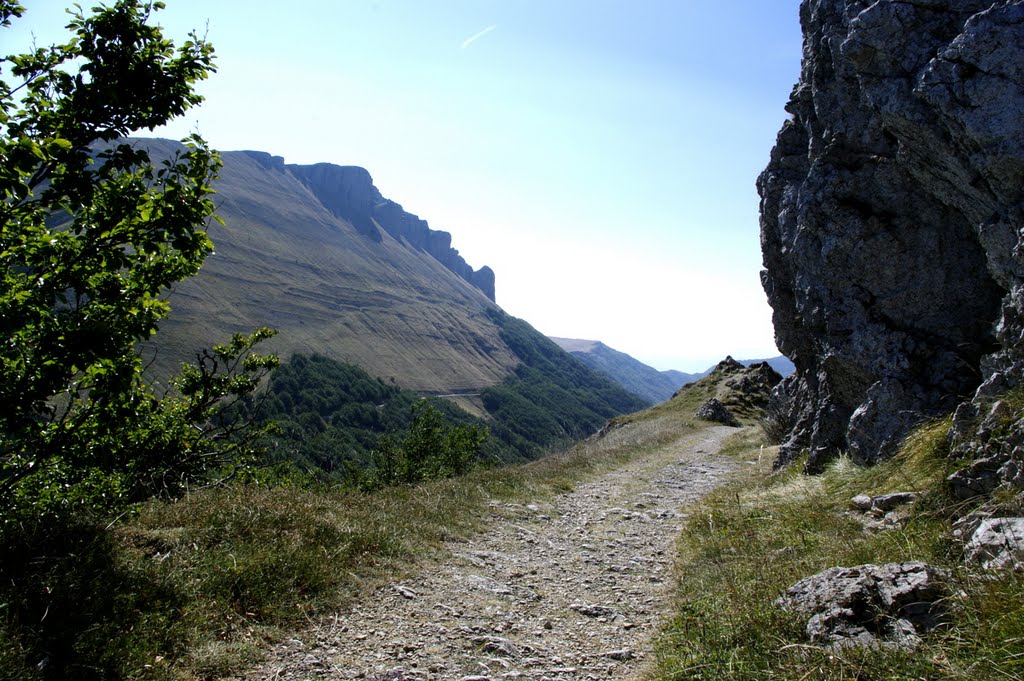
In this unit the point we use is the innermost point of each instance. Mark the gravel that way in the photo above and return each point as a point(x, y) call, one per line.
point(573, 588)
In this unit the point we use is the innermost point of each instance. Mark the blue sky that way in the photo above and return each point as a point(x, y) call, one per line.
point(600, 156)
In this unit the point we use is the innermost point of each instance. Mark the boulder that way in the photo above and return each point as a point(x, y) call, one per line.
point(889, 502)
point(883, 503)
point(715, 411)
point(997, 543)
point(870, 604)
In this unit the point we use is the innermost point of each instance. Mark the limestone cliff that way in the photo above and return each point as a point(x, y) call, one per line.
point(317, 253)
point(349, 193)
point(892, 216)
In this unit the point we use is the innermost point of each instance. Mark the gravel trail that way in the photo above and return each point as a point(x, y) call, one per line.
point(569, 589)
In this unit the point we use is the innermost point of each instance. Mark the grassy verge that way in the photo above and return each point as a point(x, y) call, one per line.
point(750, 540)
point(197, 587)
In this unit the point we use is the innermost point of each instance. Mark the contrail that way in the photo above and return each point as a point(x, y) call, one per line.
point(476, 36)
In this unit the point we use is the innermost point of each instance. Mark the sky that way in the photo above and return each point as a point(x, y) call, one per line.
point(599, 155)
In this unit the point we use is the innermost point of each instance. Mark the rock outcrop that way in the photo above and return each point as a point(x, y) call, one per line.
point(993, 435)
point(892, 214)
point(744, 391)
point(716, 412)
point(870, 604)
point(349, 193)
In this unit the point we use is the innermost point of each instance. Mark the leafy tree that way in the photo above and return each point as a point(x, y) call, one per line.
point(93, 232)
point(432, 449)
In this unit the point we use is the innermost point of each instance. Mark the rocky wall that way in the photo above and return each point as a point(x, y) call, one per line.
point(891, 219)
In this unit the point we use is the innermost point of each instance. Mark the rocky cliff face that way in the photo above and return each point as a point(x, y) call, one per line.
point(349, 193)
point(892, 215)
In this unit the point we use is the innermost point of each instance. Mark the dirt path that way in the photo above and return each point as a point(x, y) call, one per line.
point(571, 589)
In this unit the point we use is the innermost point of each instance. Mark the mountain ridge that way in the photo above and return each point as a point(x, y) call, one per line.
point(641, 379)
point(283, 259)
point(343, 275)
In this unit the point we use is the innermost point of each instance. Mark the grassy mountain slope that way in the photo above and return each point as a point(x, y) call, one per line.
point(284, 260)
point(643, 381)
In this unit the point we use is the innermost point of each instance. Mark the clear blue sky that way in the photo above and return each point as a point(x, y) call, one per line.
point(600, 156)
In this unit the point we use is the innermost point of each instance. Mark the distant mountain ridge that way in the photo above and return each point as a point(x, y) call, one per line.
point(349, 193)
point(317, 253)
point(632, 374)
point(640, 379)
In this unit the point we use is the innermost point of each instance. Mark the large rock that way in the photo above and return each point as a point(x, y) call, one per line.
point(891, 218)
point(869, 604)
point(997, 543)
point(716, 412)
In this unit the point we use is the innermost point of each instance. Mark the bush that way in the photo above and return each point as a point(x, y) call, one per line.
point(92, 235)
point(433, 449)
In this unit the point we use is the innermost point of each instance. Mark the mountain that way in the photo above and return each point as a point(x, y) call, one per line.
point(643, 380)
point(317, 253)
point(682, 378)
point(348, 276)
point(632, 374)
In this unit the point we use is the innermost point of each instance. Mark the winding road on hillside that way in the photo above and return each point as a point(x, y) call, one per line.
point(571, 589)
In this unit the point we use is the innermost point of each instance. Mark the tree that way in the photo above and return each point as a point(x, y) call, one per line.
point(431, 450)
point(93, 233)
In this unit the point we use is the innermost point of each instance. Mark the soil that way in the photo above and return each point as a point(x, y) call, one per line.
point(574, 588)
